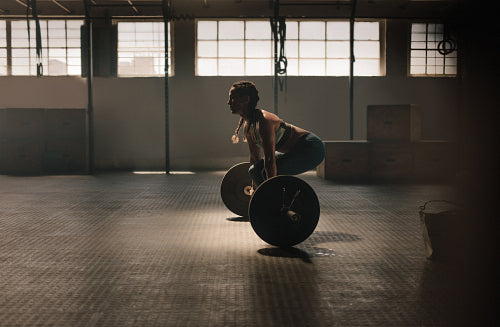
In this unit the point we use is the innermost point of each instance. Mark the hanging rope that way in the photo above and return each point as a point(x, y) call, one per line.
point(278, 27)
point(31, 5)
point(447, 45)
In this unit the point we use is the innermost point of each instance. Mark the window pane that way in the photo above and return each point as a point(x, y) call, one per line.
point(337, 30)
point(417, 62)
point(337, 67)
point(417, 54)
point(207, 30)
point(312, 30)
point(207, 49)
point(292, 30)
point(258, 30)
point(312, 67)
point(73, 43)
point(292, 49)
point(20, 69)
point(418, 28)
point(207, 67)
point(3, 34)
point(231, 49)
point(57, 53)
point(337, 49)
point(231, 67)
point(366, 67)
point(259, 67)
point(231, 30)
point(366, 49)
point(74, 61)
point(56, 67)
point(312, 49)
point(293, 67)
point(451, 61)
point(451, 70)
point(366, 31)
point(258, 49)
point(417, 70)
point(74, 70)
point(59, 43)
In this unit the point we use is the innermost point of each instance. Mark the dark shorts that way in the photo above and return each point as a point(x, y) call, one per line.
point(306, 154)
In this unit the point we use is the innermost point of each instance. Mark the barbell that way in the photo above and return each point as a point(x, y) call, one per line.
point(283, 211)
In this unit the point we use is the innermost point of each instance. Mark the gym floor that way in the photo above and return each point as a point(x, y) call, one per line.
point(122, 249)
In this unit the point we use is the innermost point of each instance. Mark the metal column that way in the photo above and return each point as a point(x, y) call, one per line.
point(351, 71)
point(90, 76)
point(166, 17)
point(276, 60)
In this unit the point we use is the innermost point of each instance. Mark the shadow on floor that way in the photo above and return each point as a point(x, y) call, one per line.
point(326, 236)
point(238, 219)
point(290, 252)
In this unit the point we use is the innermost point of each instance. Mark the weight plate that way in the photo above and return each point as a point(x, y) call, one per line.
point(284, 211)
point(235, 189)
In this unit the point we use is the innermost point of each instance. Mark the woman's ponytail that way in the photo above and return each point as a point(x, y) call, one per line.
point(235, 138)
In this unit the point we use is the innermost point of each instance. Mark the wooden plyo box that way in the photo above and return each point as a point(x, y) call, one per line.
point(344, 160)
point(39, 140)
point(390, 160)
point(394, 123)
point(434, 160)
point(21, 156)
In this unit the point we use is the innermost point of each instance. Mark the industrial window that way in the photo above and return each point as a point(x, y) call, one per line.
point(3, 48)
point(141, 49)
point(234, 48)
point(432, 51)
point(60, 47)
point(321, 48)
point(312, 48)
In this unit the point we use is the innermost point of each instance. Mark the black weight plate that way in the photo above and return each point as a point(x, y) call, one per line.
point(267, 215)
point(235, 187)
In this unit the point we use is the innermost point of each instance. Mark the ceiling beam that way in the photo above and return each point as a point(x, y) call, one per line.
point(60, 5)
point(22, 3)
point(133, 7)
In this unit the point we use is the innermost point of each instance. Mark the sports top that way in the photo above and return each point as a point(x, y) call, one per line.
point(282, 134)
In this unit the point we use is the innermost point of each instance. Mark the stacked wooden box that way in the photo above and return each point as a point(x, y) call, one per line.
point(34, 141)
point(393, 150)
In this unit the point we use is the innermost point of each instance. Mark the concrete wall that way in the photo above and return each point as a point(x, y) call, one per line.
point(130, 116)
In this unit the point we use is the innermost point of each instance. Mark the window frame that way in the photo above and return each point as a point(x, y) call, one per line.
point(171, 48)
point(244, 40)
point(381, 43)
point(410, 49)
point(46, 49)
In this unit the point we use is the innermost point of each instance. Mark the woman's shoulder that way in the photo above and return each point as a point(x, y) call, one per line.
point(269, 117)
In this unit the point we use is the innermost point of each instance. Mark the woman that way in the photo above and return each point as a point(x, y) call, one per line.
point(287, 149)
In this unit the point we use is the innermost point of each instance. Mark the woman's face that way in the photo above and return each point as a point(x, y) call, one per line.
point(237, 103)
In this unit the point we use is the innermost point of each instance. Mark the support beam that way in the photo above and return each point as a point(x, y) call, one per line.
point(351, 70)
point(90, 98)
point(166, 19)
point(276, 63)
point(62, 7)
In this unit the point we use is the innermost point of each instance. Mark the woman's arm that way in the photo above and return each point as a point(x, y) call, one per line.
point(252, 146)
point(268, 136)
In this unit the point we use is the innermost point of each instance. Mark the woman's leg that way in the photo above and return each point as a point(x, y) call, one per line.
point(305, 155)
